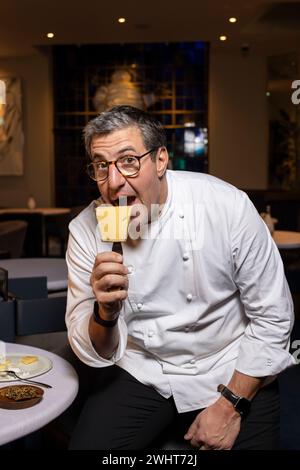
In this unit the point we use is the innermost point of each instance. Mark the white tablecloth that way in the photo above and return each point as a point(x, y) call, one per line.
point(55, 269)
point(64, 380)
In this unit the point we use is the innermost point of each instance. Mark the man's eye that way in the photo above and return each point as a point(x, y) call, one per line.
point(128, 160)
point(101, 165)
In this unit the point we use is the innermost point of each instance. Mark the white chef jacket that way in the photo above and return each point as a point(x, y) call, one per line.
point(207, 294)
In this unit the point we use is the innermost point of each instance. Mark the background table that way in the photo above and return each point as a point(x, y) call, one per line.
point(63, 378)
point(46, 211)
point(286, 240)
point(40, 224)
point(55, 269)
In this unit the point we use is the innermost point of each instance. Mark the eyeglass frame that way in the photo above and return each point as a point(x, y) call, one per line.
point(138, 157)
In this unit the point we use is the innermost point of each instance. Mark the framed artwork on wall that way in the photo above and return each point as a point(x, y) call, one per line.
point(11, 129)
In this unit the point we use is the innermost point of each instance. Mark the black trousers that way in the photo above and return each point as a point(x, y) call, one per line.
point(121, 413)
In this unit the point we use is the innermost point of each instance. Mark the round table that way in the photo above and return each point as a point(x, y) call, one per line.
point(64, 380)
point(286, 240)
point(47, 211)
point(36, 239)
point(55, 269)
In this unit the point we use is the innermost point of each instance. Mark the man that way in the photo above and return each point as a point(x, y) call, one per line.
point(192, 321)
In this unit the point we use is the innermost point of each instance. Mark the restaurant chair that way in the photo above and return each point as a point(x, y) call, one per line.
point(12, 236)
point(28, 287)
point(34, 237)
point(37, 317)
point(27, 321)
point(43, 315)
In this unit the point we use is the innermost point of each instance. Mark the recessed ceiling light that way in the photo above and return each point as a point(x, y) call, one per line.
point(232, 20)
point(121, 20)
point(50, 35)
point(223, 38)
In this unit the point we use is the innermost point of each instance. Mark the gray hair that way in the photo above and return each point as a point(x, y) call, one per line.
point(120, 117)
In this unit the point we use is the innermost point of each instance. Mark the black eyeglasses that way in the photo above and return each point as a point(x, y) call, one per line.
point(128, 165)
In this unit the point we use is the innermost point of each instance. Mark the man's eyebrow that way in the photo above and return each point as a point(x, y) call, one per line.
point(100, 157)
point(127, 149)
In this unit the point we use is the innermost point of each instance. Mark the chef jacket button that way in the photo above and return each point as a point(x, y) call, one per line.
point(139, 306)
point(181, 215)
point(150, 333)
point(130, 269)
point(185, 256)
point(189, 297)
point(192, 361)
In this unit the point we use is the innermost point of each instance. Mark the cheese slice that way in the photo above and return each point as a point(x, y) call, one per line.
point(4, 365)
point(28, 360)
point(113, 222)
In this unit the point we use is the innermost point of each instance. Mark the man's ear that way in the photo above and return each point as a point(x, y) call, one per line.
point(162, 158)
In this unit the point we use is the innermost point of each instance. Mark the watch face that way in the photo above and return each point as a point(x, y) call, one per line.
point(243, 406)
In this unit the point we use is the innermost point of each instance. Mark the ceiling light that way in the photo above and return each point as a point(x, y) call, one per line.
point(232, 20)
point(50, 35)
point(223, 38)
point(121, 20)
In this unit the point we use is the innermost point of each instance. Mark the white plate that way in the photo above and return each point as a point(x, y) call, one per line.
point(42, 365)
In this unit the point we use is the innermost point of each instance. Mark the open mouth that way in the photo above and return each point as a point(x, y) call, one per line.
point(124, 201)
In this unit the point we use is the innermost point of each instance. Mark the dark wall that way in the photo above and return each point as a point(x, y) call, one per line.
point(285, 206)
point(176, 74)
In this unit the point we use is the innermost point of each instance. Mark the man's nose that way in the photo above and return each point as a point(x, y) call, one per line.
point(115, 179)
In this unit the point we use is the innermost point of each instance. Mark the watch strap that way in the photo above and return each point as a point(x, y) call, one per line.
point(228, 394)
point(101, 321)
point(241, 404)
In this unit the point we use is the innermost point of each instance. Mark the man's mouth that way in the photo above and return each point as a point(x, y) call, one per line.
point(124, 201)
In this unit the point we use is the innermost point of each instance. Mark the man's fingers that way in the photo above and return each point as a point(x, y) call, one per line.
point(108, 256)
point(111, 281)
point(112, 297)
point(191, 431)
point(109, 268)
point(109, 278)
point(104, 270)
point(111, 288)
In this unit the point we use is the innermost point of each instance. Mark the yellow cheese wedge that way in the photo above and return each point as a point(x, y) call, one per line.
point(113, 222)
point(28, 360)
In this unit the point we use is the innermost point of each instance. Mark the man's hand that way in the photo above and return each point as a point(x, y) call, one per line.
point(216, 427)
point(110, 283)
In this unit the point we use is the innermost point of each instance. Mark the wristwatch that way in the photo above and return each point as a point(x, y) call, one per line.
point(241, 404)
point(101, 321)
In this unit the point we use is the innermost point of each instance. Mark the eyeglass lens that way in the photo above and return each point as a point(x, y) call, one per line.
point(126, 165)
